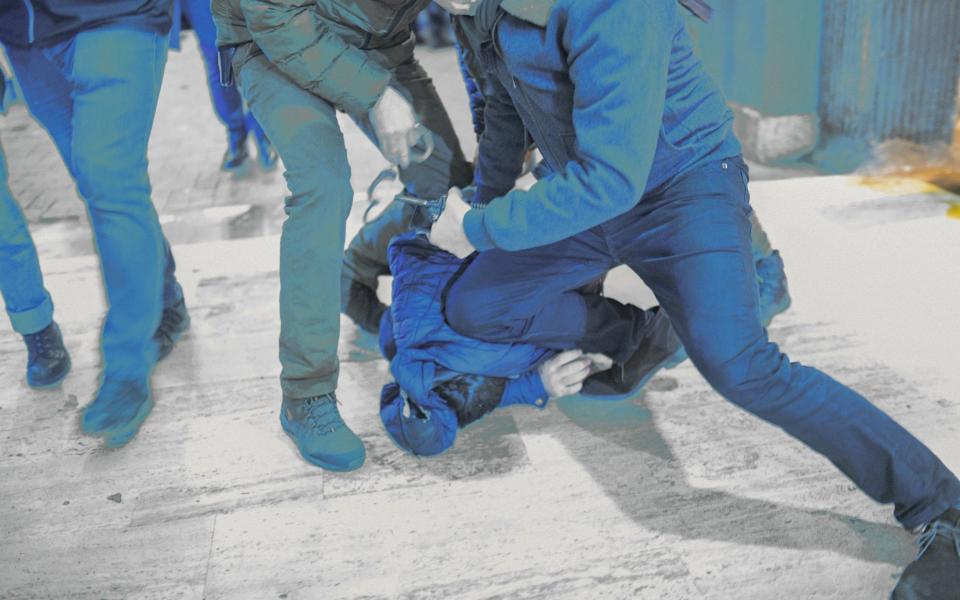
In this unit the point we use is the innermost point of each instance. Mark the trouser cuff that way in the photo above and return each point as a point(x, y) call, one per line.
point(34, 319)
point(299, 389)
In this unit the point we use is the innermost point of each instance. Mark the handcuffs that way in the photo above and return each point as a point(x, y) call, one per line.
point(433, 207)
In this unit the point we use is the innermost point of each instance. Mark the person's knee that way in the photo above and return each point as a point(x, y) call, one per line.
point(468, 313)
point(746, 376)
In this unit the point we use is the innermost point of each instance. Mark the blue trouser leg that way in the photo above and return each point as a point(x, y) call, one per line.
point(691, 244)
point(693, 249)
point(28, 303)
point(530, 295)
point(101, 127)
point(366, 257)
point(227, 102)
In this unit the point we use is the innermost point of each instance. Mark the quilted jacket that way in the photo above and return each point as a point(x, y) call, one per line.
point(340, 50)
point(419, 413)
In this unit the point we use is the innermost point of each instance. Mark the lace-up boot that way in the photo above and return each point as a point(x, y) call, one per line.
point(317, 428)
point(47, 359)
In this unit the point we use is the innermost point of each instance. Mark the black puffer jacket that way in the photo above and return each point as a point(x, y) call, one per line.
point(44, 22)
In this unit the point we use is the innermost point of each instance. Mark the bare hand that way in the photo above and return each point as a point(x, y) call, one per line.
point(395, 125)
point(599, 363)
point(447, 233)
point(563, 374)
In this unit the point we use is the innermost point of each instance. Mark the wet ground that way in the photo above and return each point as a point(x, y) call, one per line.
point(671, 495)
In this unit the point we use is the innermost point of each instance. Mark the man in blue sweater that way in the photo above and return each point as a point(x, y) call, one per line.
point(90, 73)
point(647, 173)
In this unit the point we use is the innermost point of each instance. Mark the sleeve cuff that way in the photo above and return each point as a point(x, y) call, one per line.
point(526, 389)
point(476, 232)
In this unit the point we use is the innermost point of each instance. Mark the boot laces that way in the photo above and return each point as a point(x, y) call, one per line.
point(322, 414)
point(938, 528)
point(43, 343)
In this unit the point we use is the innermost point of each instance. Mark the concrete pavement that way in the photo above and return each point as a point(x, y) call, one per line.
point(672, 495)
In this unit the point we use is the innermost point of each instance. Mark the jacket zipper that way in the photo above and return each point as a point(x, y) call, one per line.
point(31, 21)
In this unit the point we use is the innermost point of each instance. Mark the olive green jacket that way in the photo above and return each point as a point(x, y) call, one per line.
point(340, 50)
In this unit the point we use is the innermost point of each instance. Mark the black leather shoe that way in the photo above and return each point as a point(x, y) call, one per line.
point(174, 322)
point(935, 573)
point(47, 359)
point(359, 302)
point(660, 348)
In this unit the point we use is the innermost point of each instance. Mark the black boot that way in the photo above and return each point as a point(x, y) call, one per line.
point(173, 323)
point(47, 359)
point(935, 573)
point(359, 302)
point(236, 153)
point(659, 348)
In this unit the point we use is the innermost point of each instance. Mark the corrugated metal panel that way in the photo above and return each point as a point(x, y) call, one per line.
point(764, 53)
point(890, 69)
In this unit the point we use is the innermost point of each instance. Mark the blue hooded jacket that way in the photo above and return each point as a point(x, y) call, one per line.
point(425, 353)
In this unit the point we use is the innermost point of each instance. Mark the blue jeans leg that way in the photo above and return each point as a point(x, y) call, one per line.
point(532, 296)
point(28, 303)
point(691, 244)
point(101, 127)
point(227, 102)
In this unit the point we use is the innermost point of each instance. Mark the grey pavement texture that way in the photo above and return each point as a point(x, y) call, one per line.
point(671, 495)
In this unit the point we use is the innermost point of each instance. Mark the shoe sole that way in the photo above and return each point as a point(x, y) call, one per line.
point(669, 362)
point(56, 382)
point(353, 466)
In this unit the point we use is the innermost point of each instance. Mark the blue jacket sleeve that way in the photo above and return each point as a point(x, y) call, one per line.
point(526, 389)
point(618, 55)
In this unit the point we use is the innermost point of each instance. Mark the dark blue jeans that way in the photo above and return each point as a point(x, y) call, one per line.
point(227, 102)
point(96, 94)
point(690, 242)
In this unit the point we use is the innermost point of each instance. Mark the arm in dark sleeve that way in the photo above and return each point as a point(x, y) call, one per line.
point(503, 140)
point(502, 146)
point(301, 45)
point(618, 54)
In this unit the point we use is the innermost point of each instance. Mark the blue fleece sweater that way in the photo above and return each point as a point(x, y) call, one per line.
point(616, 100)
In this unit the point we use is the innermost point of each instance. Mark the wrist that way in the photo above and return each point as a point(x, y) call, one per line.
point(475, 231)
